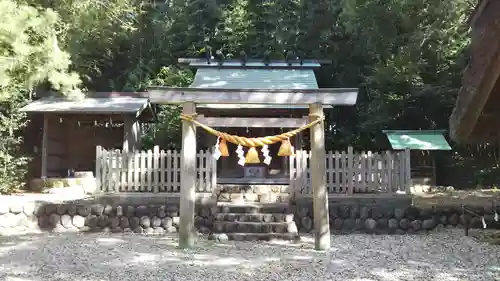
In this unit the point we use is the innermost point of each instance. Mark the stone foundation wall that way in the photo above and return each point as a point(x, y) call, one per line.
point(32, 217)
point(397, 216)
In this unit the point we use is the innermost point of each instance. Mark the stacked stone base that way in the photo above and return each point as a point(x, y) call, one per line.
point(395, 219)
point(255, 222)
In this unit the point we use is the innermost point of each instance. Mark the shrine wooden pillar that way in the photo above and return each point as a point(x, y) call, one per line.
point(188, 179)
point(318, 180)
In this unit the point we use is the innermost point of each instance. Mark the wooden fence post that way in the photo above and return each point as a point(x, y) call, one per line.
point(407, 171)
point(318, 180)
point(350, 166)
point(188, 179)
point(98, 169)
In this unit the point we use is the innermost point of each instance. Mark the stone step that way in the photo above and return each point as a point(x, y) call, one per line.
point(257, 217)
point(259, 237)
point(254, 208)
point(253, 197)
point(254, 227)
point(252, 188)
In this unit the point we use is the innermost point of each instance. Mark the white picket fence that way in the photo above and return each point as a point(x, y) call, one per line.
point(349, 172)
point(159, 171)
point(150, 171)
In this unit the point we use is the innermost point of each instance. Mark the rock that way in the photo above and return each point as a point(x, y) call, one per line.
point(173, 211)
point(61, 209)
point(337, 224)
point(152, 211)
point(127, 230)
point(175, 221)
point(399, 213)
point(344, 211)
point(155, 221)
point(302, 212)
point(138, 230)
point(119, 211)
point(334, 212)
point(43, 222)
point(16, 208)
point(377, 213)
point(83, 210)
point(106, 229)
point(124, 223)
point(71, 210)
point(199, 221)
point(428, 224)
point(443, 220)
point(39, 210)
point(166, 222)
point(29, 209)
point(404, 224)
point(389, 212)
point(204, 230)
point(145, 222)
point(116, 230)
point(103, 221)
point(412, 213)
point(148, 230)
point(393, 224)
point(292, 228)
point(158, 230)
point(78, 221)
point(463, 219)
point(114, 222)
point(54, 220)
point(4, 209)
point(91, 221)
point(97, 209)
point(108, 210)
point(50, 209)
point(66, 221)
point(162, 212)
point(222, 237)
point(453, 220)
point(307, 223)
point(476, 222)
point(416, 225)
point(129, 211)
point(360, 224)
point(354, 212)
point(349, 224)
point(205, 212)
point(382, 223)
point(171, 230)
point(364, 212)
point(134, 222)
point(370, 225)
point(141, 211)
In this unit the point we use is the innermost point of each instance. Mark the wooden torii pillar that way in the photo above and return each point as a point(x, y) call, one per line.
point(315, 98)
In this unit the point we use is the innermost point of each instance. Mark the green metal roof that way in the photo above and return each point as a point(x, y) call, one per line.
point(418, 140)
point(254, 78)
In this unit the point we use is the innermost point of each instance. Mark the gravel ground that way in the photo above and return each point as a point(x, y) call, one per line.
point(442, 256)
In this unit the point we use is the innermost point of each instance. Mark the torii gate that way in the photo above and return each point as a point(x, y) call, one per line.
point(314, 98)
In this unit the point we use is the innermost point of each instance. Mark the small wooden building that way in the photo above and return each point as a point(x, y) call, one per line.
point(62, 134)
point(422, 145)
point(477, 111)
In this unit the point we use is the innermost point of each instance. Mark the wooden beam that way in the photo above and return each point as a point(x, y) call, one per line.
point(188, 180)
point(245, 122)
point(216, 62)
point(318, 181)
point(45, 139)
point(334, 96)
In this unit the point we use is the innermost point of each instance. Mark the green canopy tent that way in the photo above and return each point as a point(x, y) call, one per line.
point(421, 145)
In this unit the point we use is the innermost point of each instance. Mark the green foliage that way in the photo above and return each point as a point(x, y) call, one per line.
point(167, 131)
point(29, 57)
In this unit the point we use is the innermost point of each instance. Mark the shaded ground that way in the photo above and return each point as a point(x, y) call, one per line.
point(442, 256)
point(466, 197)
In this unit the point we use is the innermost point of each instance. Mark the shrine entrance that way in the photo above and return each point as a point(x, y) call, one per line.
point(313, 99)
